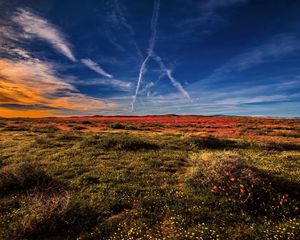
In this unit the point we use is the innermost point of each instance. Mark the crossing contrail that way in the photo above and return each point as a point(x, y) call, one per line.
point(154, 21)
point(168, 73)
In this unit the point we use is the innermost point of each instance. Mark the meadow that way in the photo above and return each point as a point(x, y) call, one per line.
point(151, 177)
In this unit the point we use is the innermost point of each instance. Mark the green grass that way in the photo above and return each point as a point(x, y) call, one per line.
point(84, 185)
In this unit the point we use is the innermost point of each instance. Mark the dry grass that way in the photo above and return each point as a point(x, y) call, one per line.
point(44, 214)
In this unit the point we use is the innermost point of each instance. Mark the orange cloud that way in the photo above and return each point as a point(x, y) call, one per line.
point(32, 82)
point(11, 113)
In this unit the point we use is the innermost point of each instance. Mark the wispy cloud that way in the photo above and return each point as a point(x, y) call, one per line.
point(208, 12)
point(212, 5)
point(95, 67)
point(251, 99)
point(116, 83)
point(35, 26)
point(15, 52)
point(276, 47)
point(110, 36)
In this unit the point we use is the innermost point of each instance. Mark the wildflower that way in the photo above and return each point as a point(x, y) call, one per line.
point(232, 179)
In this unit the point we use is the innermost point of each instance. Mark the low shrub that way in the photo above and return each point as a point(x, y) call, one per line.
point(44, 141)
point(127, 143)
point(117, 126)
point(288, 134)
point(15, 128)
point(122, 142)
point(242, 186)
point(209, 142)
point(130, 127)
point(91, 141)
point(87, 122)
point(23, 177)
point(78, 128)
point(45, 129)
point(66, 137)
point(282, 146)
point(56, 215)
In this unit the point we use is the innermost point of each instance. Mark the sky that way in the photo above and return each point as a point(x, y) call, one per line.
point(124, 57)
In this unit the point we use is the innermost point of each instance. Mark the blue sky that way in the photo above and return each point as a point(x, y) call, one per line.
point(111, 57)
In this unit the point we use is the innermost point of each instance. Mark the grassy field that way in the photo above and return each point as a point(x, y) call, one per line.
point(166, 177)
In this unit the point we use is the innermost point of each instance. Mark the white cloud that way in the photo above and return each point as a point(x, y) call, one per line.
point(251, 99)
point(95, 67)
point(34, 26)
point(125, 86)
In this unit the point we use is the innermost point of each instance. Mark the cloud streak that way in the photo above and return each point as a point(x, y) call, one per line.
point(95, 67)
point(34, 26)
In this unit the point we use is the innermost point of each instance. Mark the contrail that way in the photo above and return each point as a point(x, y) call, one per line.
point(154, 21)
point(129, 28)
point(168, 72)
point(151, 84)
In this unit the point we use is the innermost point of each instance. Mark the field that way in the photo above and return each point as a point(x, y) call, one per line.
point(151, 177)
